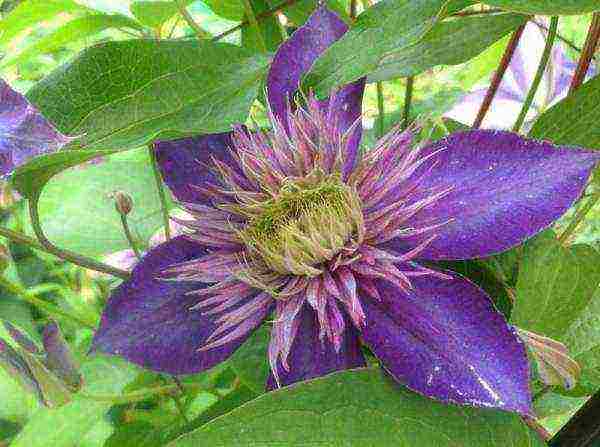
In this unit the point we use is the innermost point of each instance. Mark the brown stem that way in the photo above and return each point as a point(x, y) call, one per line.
point(537, 427)
point(477, 13)
point(497, 79)
point(563, 39)
point(259, 17)
point(591, 42)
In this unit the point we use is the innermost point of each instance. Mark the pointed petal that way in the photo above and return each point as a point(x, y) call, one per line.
point(150, 321)
point(446, 340)
point(505, 189)
point(295, 57)
point(183, 163)
point(24, 132)
point(310, 357)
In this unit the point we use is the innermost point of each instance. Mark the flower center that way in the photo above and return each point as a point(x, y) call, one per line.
point(308, 223)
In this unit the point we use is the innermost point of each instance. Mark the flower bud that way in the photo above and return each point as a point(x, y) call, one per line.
point(123, 203)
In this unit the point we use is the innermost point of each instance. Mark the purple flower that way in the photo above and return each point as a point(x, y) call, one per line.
point(295, 223)
point(24, 132)
point(517, 81)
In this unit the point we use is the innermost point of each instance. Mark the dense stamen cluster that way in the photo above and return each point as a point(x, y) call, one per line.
point(295, 220)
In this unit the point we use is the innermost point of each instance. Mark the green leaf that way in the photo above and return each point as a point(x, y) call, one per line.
point(124, 94)
point(269, 28)
point(547, 7)
point(228, 9)
point(574, 120)
point(554, 286)
point(583, 340)
point(30, 12)
point(30, 178)
point(389, 26)
point(64, 427)
point(299, 11)
point(358, 408)
point(448, 43)
point(138, 434)
point(78, 213)
point(250, 360)
point(155, 13)
point(76, 29)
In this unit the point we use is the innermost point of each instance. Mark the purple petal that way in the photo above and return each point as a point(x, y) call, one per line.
point(297, 55)
point(24, 132)
point(183, 163)
point(446, 341)
point(149, 322)
point(59, 358)
point(505, 189)
point(311, 357)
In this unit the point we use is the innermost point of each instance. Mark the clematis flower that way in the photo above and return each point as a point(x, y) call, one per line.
point(24, 132)
point(333, 249)
point(517, 81)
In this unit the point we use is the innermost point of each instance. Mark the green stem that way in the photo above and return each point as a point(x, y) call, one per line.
point(50, 309)
point(254, 23)
point(129, 236)
point(410, 83)
point(22, 239)
point(138, 396)
point(161, 192)
point(538, 75)
point(68, 255)
point(579, 216)
point(190, 21)
point(380, 110)
point(177, 401)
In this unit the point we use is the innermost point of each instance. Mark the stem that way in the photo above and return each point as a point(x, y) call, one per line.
point(353, 9)
point(410, 81)
point(538, 75)
point(477, 13)
point(537, 427)
point(254, 22)
point(22, 239)
point(129, 236)
point(579, 216)
point(50, 309)
point(177, 400)
point(259, 17)
point(162, 196)
point(138, 396)
point(190, 21)
point(380, 110)
point(591, 42)
point(563, 39)
point(497, 79)
point(68, 255)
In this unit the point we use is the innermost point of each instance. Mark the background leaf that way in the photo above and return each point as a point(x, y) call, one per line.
point(447, 43)
point(155, 13)
point(124, 94)
point(250, 360)
point(547, 7)
point(358, 408)
point(574, 120)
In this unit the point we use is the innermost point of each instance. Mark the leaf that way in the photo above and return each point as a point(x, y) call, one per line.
point(583, 339)
point(64, 427)
point(269, 28)
point(138, 434)
point(547, 7)
point(124, 94)
point(448, 43)
point(76, 29)
point(30, 178)
point(554, 286)
point(358, 408)
point(30, 12)
point(574, 120)
point(229, 9)
point(250, 360)
point(78, 213)
point(299, 11)
point(389, 26)
point(155, 13)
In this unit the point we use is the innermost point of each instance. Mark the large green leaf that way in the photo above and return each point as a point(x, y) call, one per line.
point(389, 26)
point(78, 213)
point(548, 7)
point(155, 13)
point(583, 339)
point(554, 286)
point(124, 94)
point(448, 43)
point(76, 29)
point(358, 408)
point(66, 425)
point(574, 120)
point(30, 12)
